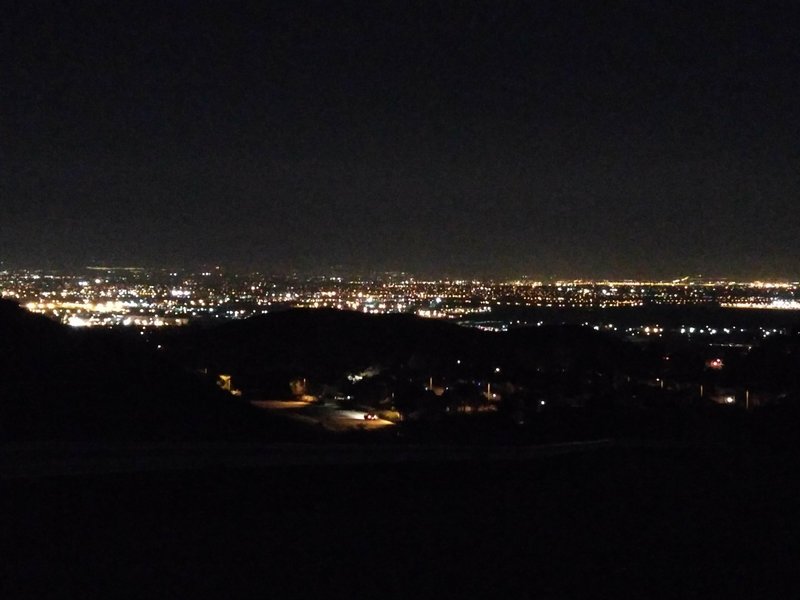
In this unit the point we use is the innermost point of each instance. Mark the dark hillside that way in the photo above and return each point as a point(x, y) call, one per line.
point(60, 383)
point(327, 344)
point(323, 343)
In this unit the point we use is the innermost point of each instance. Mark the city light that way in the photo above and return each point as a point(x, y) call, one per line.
point(140, 298)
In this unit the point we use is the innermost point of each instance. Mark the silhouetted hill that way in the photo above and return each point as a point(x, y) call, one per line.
point(320, 341)
point(60, 383)
point(326, 344)
point(566, 346)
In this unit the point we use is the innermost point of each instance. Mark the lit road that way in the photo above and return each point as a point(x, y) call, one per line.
point(334, 419)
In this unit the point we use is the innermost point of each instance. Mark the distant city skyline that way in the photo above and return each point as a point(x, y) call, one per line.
point(155, 298)
point(341, 270)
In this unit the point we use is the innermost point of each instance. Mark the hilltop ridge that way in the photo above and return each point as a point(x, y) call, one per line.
point(68, 384)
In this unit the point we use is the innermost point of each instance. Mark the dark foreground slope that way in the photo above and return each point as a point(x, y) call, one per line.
point(618, 523)
point(58, 383)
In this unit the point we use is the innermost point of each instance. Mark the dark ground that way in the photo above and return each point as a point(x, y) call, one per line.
point(614, 523)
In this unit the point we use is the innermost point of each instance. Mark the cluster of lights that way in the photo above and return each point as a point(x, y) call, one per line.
point(136, 297)
point(775, 304)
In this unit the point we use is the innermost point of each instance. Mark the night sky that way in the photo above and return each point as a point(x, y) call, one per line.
point(566, 139)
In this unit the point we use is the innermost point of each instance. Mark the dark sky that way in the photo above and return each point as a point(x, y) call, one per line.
point(566, 138)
